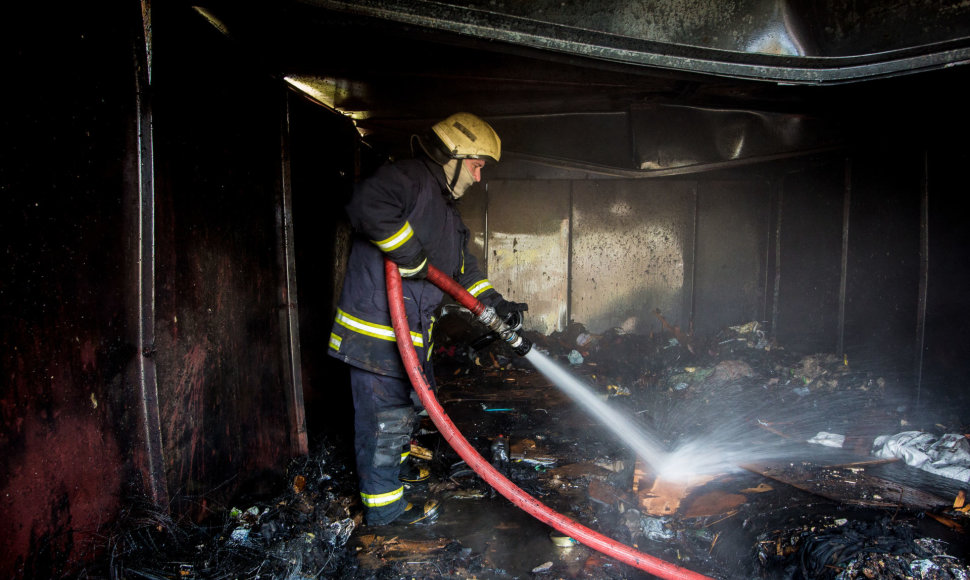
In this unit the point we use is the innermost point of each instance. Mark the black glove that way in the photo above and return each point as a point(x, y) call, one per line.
point(416, 270)
point(511, 313)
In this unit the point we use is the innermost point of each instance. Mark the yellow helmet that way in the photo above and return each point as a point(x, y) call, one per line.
point(465, 136)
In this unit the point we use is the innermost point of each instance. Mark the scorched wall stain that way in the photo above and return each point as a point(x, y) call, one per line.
point(184, 414)
point(64, 468)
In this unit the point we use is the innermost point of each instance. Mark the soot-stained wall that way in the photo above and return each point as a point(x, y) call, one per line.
point(69, 433)
point(324, 162)
point(853, 251)
point(120, 200)
point(226, 404)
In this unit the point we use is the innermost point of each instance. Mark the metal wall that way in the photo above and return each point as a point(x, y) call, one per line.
point(615, 253)
point(230, 401)
point(528, 247)
point(145, 316)
point(147, 311)
point(857, 252)
point(944, 328)
point(732, 265)
point(68, 159)
point(809, 268)
point(631, 253)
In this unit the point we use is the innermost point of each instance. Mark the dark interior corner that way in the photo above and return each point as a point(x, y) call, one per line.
point(173, 177)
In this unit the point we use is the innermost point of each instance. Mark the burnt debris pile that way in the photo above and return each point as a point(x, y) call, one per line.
point(781, 473)
point(300, 529)
point(792, 485)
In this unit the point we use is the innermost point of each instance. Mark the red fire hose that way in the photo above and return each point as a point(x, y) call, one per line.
point(513, 493)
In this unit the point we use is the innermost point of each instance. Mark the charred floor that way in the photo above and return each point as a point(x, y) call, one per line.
point(778, 499)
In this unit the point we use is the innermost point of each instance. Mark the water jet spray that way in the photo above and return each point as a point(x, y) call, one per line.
point(483, 468)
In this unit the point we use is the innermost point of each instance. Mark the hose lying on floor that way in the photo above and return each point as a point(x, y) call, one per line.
point(483, 468)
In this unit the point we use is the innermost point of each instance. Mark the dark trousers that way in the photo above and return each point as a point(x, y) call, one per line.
point(383, 419)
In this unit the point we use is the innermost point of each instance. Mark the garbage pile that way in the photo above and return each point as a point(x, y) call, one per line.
point(303, 532)
point(738, 370)
point(947, 455)
point(738, 385)
point(843, 549)
point(308, 527)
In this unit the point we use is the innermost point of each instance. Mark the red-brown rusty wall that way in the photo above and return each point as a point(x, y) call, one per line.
point(221, 361)
point(67, 437)
point(73, 212)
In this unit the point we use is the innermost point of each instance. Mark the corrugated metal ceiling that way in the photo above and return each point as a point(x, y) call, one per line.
point(397, 65)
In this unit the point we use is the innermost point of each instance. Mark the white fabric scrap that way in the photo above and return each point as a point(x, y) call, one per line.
point(948, 455)
point(828, 439)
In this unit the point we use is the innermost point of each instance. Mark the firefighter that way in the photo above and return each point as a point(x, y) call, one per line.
point(406, 212)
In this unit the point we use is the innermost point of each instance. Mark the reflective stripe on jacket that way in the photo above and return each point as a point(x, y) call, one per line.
point(400, 212)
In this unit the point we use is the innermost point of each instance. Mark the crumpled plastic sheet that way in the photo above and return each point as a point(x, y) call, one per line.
point(655, 529)
point(948, 455)
point(337, 533)
point(828, 439)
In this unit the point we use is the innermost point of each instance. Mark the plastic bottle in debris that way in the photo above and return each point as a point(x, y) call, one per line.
point(500, 453)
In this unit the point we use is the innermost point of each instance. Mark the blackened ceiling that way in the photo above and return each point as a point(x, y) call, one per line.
point(775, 76)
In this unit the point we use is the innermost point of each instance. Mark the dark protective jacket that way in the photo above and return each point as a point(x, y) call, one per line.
point(400, 211)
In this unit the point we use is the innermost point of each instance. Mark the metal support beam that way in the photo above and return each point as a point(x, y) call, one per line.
point(844, 270)
point(289, 311)
point(147, 381)
point(924, 273)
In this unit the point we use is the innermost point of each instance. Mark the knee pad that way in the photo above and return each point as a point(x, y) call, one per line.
point(393, 433)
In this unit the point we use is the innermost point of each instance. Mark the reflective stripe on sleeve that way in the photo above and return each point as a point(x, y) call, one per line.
point(397, 240)
point(382, 499)
point(375, 330)
point(335, 341)
point(410, 271)
point(479, 287)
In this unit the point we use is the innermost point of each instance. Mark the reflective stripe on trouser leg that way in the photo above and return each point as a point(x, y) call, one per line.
point(378, 500)
point(383, 418)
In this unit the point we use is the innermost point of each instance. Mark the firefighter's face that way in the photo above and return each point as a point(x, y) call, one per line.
point(474, 167)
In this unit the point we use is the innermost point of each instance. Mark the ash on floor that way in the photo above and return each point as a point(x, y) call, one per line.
point(745, 404)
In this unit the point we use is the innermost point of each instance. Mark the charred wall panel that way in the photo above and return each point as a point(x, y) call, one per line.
point(882, 268)
point(218, 162)
point(631, 253)
point(731, 254)
point(473, 208)
point(68, 438)
point(323, 160)
point(946, 352)
point(810, 265)
point(595, 138)
point(528, 248)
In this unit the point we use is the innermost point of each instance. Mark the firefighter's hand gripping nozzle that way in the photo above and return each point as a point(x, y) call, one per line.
point(506, 329)
point(519, 344)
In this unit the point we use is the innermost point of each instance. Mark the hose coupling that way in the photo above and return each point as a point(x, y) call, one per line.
point(520, 345)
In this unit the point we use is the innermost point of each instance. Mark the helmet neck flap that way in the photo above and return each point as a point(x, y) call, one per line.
point(458, 176)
